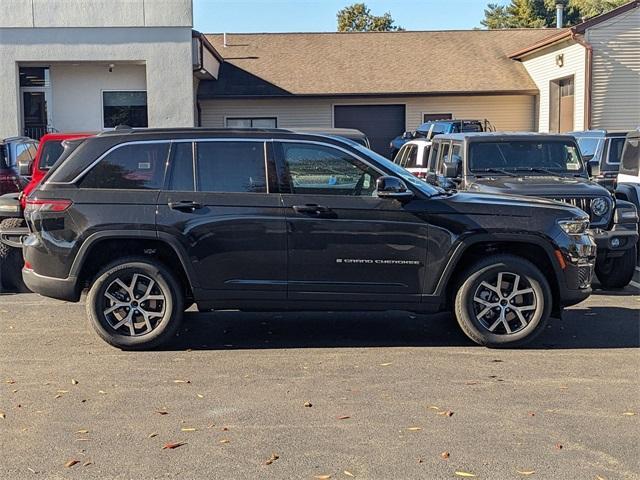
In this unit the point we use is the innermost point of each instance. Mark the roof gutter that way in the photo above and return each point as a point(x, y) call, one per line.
point(588, 77)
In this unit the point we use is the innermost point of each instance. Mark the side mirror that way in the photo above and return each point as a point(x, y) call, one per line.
point(407, 136)
point(25, 168)
point(392, 187)
point(593, 168)
point(452, 169)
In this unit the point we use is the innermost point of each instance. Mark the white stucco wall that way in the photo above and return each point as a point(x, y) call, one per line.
point(542, 68)
point(77, 92)
point(156, 33)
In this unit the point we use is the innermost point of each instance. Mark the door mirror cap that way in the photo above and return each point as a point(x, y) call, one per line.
point(407, 135)
point(452, 169)
point(25, 168)
point(392, 187)
point(593, 168)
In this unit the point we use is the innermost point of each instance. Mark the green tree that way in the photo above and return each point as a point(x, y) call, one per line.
point(542, 13)
point(358, 18)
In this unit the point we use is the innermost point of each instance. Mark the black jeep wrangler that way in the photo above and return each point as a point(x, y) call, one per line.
point(152, 221)
point(547, 166)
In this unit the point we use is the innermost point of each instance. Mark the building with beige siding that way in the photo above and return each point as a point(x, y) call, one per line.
point(588, 76)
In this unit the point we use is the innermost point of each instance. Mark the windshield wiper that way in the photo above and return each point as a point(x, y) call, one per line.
point(498, 170)
point(544, 170)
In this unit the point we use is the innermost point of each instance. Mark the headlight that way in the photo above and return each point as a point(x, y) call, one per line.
point(577, 226)
point(599, 207)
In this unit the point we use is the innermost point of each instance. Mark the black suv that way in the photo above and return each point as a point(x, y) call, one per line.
point(153, 221)
point(541, 165)
point(602, 148)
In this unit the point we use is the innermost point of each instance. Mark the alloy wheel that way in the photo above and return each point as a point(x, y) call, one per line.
point(134, 304)
point(505, 303)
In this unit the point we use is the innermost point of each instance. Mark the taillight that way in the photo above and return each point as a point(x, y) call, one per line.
point(37, 205)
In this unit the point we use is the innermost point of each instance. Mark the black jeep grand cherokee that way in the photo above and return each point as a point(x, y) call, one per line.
point(153, 221)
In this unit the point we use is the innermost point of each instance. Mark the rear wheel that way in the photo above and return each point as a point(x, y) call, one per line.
point(617, 272)
point(135, 304)
point(11, 261)
point(504, 301)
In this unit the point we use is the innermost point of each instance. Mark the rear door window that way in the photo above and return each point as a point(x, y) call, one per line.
point(138, 166)
point(182, 171)
point(224, 166)
point(412, 157)
point(615, 150)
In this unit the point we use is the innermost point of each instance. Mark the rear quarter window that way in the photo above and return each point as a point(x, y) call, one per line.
point(130, 167)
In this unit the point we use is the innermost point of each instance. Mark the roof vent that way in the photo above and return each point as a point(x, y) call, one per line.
point(224, 40)
point(559, 15)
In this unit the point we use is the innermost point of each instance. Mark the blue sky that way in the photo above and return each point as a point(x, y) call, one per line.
point(320, 15)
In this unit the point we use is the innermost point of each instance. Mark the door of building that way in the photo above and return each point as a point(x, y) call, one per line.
point(35, 94)
point(561, 106)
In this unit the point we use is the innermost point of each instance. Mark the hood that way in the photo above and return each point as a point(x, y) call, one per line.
point(539, 186)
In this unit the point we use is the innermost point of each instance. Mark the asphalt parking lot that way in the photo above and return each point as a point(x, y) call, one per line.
point(378, 396)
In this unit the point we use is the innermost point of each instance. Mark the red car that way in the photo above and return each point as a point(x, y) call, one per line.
point(12, 225)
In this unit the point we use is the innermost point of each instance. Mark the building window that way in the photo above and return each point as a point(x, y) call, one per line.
point(125, 108)
point(429, 117)
point(252, 122)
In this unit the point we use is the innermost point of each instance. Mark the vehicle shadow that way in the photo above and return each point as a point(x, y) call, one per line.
point(580, 328)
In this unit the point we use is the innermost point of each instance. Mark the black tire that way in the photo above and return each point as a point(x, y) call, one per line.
point(617, 272)
point(536, 315)
point(11, 261)
point(165, 323)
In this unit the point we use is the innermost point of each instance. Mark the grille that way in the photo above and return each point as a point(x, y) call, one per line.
point(585, 205)
point(585, 274)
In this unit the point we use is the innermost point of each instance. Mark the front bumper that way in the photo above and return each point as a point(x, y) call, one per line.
point(59, 288)
point(578, 254)
point(615, 242)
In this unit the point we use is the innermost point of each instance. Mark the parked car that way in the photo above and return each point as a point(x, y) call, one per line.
point(15, 151)
point(33, 166)
point(348, 133)
point(547, 166)
point(604, 149)
point(413, 157)
point(152, 221)
point(437, 127)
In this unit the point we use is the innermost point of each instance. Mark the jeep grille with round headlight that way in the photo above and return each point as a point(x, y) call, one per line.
point(599, 207)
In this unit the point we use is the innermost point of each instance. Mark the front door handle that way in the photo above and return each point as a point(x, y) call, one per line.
point(185, 206)
point(311, 208)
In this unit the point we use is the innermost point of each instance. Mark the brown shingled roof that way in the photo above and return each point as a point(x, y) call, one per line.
point(467, 61)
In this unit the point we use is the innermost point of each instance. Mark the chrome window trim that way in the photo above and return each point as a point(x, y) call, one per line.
point(147, 142)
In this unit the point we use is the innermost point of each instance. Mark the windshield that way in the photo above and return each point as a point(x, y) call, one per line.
point(399, 171)
point(438, 127)
point(50, 154)
point(526, 155)
point(589, 145)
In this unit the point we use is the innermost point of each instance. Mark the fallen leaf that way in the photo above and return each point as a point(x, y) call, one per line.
point(199, 395)
point(151, 435)
point(497, 360)
point(162, 412)
point(87, 463)
point(447, 413)
point(188, 429)
point(558, 446)
point(598, 477)
point(3, 415)
point(224, 440)
point(348, 473)
point(58, 395)
point(10, 381)
point(343, 417)
point(322, 477)
point(414, 429)
point(272, 458)
point(102, 392)
point(71, 463)
point(31, 470)
point(419, 460)
point(63, 391)
point(82, 431)
point(532, 414)
point(182, 381)
point(308, 404)
point(74, 381)
point(171, 446)
point(445, 455)
point(464, 474)
point(386, 364)
point(629, 414)
point(225, 429)
point(526, 472)
point(433, 407)
point(472, 382)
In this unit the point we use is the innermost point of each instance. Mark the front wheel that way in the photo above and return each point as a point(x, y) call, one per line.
point(135, 304)
point(617, 272)
point(504, 301)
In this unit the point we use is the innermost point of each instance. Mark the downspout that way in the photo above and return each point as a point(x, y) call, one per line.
point(588, 77)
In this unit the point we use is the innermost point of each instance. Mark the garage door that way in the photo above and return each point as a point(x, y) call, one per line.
point(381, 123)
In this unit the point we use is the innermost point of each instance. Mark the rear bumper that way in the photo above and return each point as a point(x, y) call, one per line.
point(60, 288)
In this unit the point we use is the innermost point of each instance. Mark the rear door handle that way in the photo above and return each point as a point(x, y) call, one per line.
point(185, 205)
point(311, 208)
